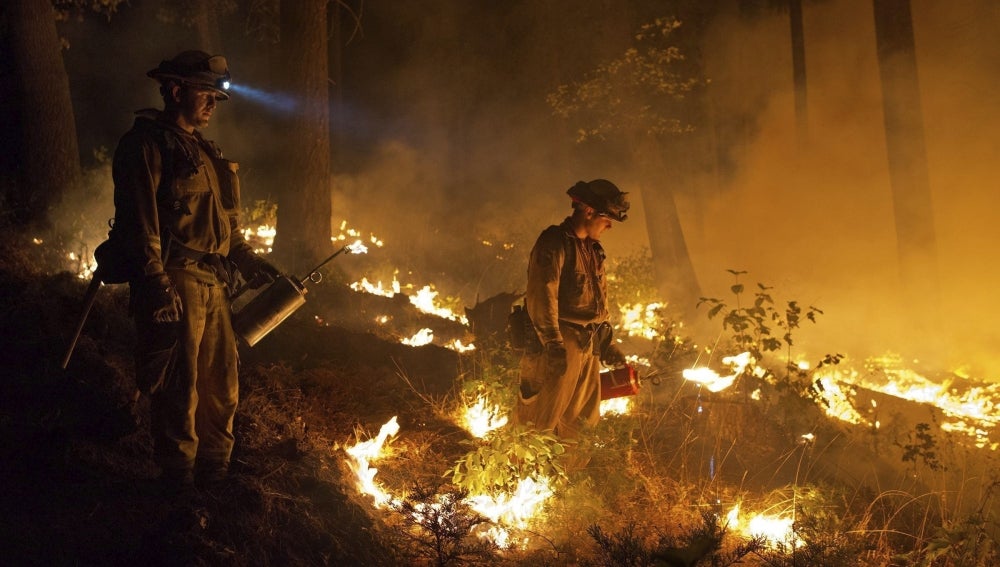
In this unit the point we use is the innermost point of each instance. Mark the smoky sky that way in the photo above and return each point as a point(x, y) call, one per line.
point(446, 141)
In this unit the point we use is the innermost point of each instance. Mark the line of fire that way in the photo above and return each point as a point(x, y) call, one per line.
point(803, 289)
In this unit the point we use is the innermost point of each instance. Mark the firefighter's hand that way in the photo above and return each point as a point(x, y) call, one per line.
point(555, 359)
point(265, 274)
point(613, 356)
point(162, 298)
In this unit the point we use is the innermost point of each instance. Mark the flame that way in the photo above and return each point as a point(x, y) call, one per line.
point(775, 529)
point(458, 346)
point(423, 337)
point(641, 320)
point(972, 409)
point(357, 247)
point(264, 234)
point(616, 406)
point(362, 454)
point(506, 510)
point(377, 289)
point(711, 380)
point(512, 510)
point(346, 233)
point(424, 301)
point(482, 417)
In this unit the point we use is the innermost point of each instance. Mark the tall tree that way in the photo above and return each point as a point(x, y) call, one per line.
point(640, 100)
point(799, 68)
point(304, 206)
point(46, 145)
point(905, 145)
point(203, 16)
point(798, 51)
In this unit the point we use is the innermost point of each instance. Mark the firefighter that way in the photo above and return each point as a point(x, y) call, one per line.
point(566, 300)
point(177, 203)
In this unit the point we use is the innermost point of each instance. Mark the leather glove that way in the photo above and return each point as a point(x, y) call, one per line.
point(265, 274)
point(613, 356)
point(162, 298)
point(555, 360)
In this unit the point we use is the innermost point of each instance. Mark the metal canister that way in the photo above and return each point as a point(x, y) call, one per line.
point(618, 382)
point(269, 309)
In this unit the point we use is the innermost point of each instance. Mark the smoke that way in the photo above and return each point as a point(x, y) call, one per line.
point(450, 154)
point(816, 219)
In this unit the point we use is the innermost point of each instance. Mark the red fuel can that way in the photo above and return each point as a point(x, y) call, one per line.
point(619, 382)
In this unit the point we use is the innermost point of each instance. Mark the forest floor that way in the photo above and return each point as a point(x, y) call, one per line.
point(78, 485)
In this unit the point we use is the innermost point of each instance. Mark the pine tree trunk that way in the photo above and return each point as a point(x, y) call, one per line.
point(672, 266)
point(908, 171)
point(47, 147)
point(304, 206)
point(799, 68)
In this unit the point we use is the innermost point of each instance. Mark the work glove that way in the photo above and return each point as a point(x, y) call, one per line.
point(161, 299)
point(265, 274)
point(612, 356)
point(555, 359)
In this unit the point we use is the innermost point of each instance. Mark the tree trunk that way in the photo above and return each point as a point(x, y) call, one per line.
point(49, 155)
point(904, 136)
point(304, 208)
point(672, 266)
point(799, 68)
point(206, 26)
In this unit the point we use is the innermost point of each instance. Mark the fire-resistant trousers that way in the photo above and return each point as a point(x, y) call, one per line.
point(193, 386)
point(565, 404)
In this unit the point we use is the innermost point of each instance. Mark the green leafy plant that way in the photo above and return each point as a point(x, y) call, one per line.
point(498, 463)
point(972, 540)
point(755, 327)
point(923, 447)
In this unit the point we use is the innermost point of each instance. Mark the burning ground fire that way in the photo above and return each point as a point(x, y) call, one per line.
point(972, 409)
point(507, 512)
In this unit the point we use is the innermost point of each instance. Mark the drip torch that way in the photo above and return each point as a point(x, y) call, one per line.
point(279, 300)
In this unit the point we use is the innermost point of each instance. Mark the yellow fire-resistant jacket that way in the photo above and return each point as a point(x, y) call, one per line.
point(172, 185)
point(566, 281)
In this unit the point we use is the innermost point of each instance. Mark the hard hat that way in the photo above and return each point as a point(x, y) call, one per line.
point(603, 196)
point(196, 68)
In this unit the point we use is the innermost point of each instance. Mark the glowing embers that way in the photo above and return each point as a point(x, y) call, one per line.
point(711, 380)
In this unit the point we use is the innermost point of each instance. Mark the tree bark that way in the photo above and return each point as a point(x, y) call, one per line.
point(206, 26)
point(799, 68)
point(675, 275)
point(904, 135)
point(304, 207)
point(907, 155)
point(46, 144)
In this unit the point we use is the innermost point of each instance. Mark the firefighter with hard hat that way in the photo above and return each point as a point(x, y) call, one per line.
point(566, 300)
point(177, 206)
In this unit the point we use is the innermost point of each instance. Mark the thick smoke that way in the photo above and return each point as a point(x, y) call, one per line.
point(816, 219)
